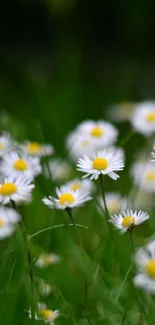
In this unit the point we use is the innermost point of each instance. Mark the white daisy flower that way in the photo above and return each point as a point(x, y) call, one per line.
point(6, 143)
point(29, 311)
point(15, 189)
point(47, 259)
point(103, 162)
point(67, 198)
point(145, 260)
point(14, 164)
point(9, 215)
point(44, 288)
point(78, 145)
point(6, 230)
point(84, 184)
point(8, 218)
point(128, 220)
point(101, 134)
point(114, 202)
point(143, 118)
point(153, 155)
point(47, 315)
point(121, 111)
point(139, 199)
point(144, 175)
point(60, 170)
point(37, 149)
point(119, 151)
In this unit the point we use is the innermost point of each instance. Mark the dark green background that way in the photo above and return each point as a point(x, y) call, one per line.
point(65, 61)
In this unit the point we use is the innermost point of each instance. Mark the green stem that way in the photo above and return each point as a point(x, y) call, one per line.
point(122, 285)
point(54, 227)
point(69, 211)
point(86, 301)
point(103, 196)
point(125, 139)
point(132, 240)
point(29, 260)
point(45, 159)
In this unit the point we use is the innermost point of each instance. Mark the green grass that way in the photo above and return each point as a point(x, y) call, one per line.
point(92, 285)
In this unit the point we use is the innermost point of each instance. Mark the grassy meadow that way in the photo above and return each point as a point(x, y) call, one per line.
point(45, 93)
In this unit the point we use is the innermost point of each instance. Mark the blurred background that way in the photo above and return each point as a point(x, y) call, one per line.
point(63, 61)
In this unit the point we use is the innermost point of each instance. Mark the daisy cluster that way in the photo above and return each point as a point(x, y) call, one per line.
point(45, 314)
point(93, 147)
point(19, 166)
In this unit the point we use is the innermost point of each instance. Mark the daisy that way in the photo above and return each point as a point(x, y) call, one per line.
point(101, 134)
point(78, 145)
point(44, 288)
point(103, 162)
point(37, 149)
point(47, 259)
point(153, 155)
point(47, 315)
point(143, 118)
point(114, 202)
point(145, 260)
point(9, 215)
point(144, 175)
point(8, 218)
point(14, 164)
point(128, 220)
point(67, 198)
point(121, 111)
point(85, 184)
point(15, 189)
point(6, 143)
point(6, 230)
point(60, 170)
point(140, 200)
point(119, 151)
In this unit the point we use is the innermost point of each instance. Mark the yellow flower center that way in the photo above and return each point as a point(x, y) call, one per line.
point(8, 189)
point(20, 164)
point(34, 148)
point(76, 186)
point(113, 205)
point(97, 131)
point(150, 117)
point(47, 260)
point(150, 267)
point(84, 143)
point(125, 109)
point(1, 222)
point(128, 221)
point(100, 163)
point(66, 198)
point(1, 145)
point(150, 176)
point(45, 313)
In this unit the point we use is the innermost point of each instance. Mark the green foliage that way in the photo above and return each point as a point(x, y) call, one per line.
point(92, 285)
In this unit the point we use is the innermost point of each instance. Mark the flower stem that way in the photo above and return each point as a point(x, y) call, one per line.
point(126, 138)
point(29, 260)
point(103, 196)
point(86, 300)
point(54, 227)
point(132, 240)
point(69, 211)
